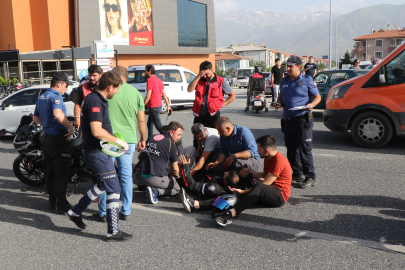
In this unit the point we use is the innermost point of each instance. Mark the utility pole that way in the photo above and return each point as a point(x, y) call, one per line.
point(330, 34)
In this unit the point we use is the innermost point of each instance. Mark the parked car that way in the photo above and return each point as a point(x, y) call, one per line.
point(370, 107)
point(21, 103)
point(325, 80)
point(175, 80)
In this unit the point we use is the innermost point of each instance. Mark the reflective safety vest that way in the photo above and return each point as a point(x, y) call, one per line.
point(215, 96)
point(86, 91)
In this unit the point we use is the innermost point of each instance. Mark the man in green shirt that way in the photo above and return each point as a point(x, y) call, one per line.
point(126, 107)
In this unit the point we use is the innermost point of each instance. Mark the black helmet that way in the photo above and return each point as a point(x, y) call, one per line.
point(258, 69)
point(230, 198)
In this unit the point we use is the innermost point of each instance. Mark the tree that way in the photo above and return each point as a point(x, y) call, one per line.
point(231, 71)
point(320, 66)
point(333, 63)
point(219, 72)
point(262, 64)
point(345, 60)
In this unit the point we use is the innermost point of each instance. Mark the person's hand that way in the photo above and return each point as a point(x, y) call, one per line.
point(237, 191)
point(244, 172)
point(272, 85)
point(69, 132)
point(183, 160)
point(77, 123)
point(200, 74)
point(276, 105)
point(192, 172)
point(310, 107)
point(174, 173)
point(141, 146)
point(228, 162)
point(123, 144)
point(211, 165)
point(169, 110)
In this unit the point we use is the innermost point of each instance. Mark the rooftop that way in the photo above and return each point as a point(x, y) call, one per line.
point(229, 56)
point(383, 34)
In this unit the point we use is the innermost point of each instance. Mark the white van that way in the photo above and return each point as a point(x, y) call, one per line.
point(175, 79)
point(242, 77)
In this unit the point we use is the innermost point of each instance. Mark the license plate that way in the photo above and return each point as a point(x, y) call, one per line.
point(257, 103)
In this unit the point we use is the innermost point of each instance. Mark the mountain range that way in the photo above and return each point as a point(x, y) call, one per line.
point(305, 34)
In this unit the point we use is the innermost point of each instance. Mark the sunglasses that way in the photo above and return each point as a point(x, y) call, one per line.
point(114, 7)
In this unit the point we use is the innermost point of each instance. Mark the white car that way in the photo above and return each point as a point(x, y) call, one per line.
point(13, 107)
point(175, 80)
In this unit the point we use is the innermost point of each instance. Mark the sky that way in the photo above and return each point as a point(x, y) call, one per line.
point(296, 6)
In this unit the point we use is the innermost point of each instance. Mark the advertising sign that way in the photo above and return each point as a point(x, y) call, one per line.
point(325, 57)
point(126, 22)
point(346, 66)
point(104, 50)
point(106, 68)
point(104, 62)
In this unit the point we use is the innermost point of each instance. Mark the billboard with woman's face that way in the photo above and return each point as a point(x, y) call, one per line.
point(114, 21)
point(140, 22)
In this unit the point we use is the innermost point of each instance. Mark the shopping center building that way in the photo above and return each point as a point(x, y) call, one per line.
point(39, 37)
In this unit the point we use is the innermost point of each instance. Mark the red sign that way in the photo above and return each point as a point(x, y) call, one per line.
point(141, 38)
point(96, 109)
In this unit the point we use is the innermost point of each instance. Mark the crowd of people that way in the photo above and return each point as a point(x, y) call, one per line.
point(224, 160)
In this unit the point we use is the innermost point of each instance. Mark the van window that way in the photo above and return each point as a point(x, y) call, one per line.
point(161, 74)
point(174, 76)
point(136, 76)
point(189, 76)
point(395, 70)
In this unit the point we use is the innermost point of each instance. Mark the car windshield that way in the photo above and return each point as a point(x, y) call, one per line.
point(361, 72)
point(243, 73)
point(136, 76)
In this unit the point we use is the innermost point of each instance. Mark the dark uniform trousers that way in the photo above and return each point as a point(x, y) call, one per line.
point(57, 159)
point(298, 140)
point(208, 121)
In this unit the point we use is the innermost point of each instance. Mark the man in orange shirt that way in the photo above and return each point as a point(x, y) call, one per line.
point(273, 186)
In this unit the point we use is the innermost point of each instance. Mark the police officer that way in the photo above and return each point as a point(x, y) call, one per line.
point(96, 126)
point(298, 90)
point(50, 112)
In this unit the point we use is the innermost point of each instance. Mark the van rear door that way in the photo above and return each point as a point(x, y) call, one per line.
point(137, 79)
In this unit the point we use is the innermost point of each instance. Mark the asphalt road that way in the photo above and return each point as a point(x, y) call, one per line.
point(352, 219)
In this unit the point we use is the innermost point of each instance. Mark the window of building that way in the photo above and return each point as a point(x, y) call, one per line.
point(67, 66)
point(192, 24)
point(49, 68)
point(378, 55)
point(364, 56)
point(31, 72)
point(364, 44)
point(397, 42)
point(378, 42)
point(13, 70)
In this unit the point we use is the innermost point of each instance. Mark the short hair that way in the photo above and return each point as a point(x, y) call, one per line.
point(267, 142)
point(172, 126)
point(223, 120)
point(356, 60)
point(277, 59)
point(95, 69)
point(205, 65)
point(311, 57)
point(232, 178)
point(54, 83)
point(121, 71)
point(150, 68)
point(375, 60)
point(197, 128)
point(109, 78)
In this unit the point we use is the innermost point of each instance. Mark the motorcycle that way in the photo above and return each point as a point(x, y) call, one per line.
point(256, 102)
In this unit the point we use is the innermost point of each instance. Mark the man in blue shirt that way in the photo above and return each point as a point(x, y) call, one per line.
point(238, 148)
point(298, 90)
point(50, 112)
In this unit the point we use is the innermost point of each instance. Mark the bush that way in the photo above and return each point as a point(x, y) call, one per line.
point(2, 82)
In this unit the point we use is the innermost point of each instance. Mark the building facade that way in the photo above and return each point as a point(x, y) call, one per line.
point(226, 61)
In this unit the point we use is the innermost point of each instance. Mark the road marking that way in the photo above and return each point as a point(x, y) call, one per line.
point(295, 232)
point(8, 178)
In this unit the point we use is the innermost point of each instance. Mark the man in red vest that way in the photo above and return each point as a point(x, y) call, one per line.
point(79, 96)
point(209, 96)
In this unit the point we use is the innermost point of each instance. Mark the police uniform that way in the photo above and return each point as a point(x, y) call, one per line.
point(298, 124)
point(95, 108)
point(54, 145)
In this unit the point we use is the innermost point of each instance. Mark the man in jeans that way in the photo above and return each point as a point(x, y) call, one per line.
point(124, 109)
point(277, 74)
point(153, 99)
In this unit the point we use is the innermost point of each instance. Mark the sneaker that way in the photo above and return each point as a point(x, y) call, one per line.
point(246, 109)
point(98, 218)
point(224, 219)
point(119, 236)
point(308, 182)
point(298, 178)
point(188, 202)
point(151, 194)
point(63, 210)
point(266, 110)
point(78, 221)
point(123, 217)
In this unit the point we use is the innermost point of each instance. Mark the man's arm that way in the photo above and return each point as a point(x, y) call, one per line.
point(100, 133)
point(147, 97)
point(241, 155)
point(201, 162)
point(37, 119)
point(191, 87)
point(270, 178)
point(140, 118)
point(315, 70)
point(166, 100)
point(314, 102)
point(226, 89)
point(175, 169)
point(231, 97)
point(272, 80)
point(61, 118)
point(76, 113)
point(220, 159)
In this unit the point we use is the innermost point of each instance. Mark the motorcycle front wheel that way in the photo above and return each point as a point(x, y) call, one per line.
point(28, 173)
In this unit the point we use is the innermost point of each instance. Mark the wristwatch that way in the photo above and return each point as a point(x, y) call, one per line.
point(233, 156)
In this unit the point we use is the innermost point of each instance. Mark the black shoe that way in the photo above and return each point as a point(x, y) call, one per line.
point(246, 109)
point(141, 187)
point(119, 236)
point(188, 202)
point(63, 210)
point(308, 182)
point(97, 217)
point(298, 178)
point(266, 110)
point(123, 217)
point(78, 221)
point(52, 205)
point(224, 219)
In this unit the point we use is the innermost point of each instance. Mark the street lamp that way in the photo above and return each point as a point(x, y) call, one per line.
point(330, 37)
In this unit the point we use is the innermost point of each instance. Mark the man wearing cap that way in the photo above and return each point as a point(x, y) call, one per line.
point(96, 126)
point(298, 96)
point(50, 112)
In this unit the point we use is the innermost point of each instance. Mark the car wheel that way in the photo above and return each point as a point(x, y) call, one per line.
point(77, 134)
point(240, 87)
point(372, 130)
point(164, 107)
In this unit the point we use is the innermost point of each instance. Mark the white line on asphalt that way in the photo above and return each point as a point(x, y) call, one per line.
point(295, 232)
point(8, 178)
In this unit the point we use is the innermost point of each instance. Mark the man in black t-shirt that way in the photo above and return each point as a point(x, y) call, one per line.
point(277, 74)
point(310, 68)
point(96, 126)
point(151, 168)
